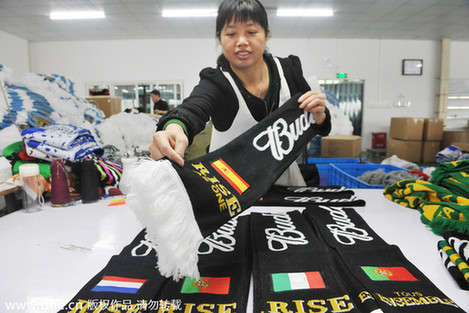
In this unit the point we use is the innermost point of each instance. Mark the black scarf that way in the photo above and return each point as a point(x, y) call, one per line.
point(377, 273)
point(292, 270)
point(300, 196)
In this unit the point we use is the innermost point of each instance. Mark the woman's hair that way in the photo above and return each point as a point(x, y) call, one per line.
point(241, 11)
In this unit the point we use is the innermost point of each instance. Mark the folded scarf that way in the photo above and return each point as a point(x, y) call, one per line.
point(194, 200)
point(300, 196)
point(459, 242)
point(60, 141)
point(455, 265)
point(453, 176)
point(440, 209)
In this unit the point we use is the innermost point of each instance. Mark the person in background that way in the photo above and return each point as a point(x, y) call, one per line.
point(247, 84)
point(160, 107)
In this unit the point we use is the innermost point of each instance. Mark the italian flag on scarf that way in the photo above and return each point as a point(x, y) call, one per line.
point(441, 209)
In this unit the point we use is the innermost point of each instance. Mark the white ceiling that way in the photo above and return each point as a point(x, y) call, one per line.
point(137, 19)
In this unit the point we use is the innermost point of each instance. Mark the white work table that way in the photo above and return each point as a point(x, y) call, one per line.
point(48, 256)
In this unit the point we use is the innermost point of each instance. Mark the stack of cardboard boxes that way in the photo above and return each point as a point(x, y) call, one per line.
point(341, 146)
point(415, 139)
point(405, 138)
point(432, 136)
point(109, 105)
point(458, 138)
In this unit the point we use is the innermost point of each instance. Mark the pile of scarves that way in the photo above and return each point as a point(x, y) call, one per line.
point(444, 206)
point(454, 176)
point(440, 209)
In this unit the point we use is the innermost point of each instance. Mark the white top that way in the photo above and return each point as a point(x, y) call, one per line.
point(244, 120)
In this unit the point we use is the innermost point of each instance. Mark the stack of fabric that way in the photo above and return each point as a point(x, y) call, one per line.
point(60, 141)
point(451, 153)
point(38, 100)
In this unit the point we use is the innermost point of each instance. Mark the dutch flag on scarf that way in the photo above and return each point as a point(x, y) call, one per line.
point(119, 284)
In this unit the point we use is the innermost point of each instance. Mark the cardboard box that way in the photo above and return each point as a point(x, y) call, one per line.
point(432, 129)
point(409, 150)
point(463, 145)
point(341, 146)
point(107, 104)
point(406, 128)
point(429, 151)
point(452, 136)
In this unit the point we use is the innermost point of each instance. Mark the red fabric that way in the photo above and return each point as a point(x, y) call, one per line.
point(23, 156)
point(420, 173)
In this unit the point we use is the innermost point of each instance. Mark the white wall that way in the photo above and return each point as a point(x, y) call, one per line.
point(459, 59)
point(14, 53)
point(125, 60)
point(378, 62)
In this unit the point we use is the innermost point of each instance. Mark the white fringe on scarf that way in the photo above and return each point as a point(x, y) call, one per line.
point(161, 203)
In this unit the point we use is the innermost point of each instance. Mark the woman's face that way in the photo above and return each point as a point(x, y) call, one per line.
point(243, 44)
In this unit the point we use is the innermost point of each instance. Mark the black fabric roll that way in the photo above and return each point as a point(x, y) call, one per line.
point(89, 181)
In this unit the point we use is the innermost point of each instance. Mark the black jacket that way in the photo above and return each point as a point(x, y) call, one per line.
point(214, 97)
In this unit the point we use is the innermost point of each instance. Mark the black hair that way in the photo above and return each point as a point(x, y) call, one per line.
point(156, 92)
point(241, 11)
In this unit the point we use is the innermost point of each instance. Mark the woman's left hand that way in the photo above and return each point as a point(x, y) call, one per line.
point(314, 102)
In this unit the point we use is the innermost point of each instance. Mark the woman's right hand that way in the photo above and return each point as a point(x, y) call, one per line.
point(171, 143)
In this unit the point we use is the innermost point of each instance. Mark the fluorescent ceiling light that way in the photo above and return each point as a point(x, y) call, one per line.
point(76, 15)
point(305, 12)
point(189, 12)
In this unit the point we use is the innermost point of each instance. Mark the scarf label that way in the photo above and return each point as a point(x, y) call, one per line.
point(226, 200)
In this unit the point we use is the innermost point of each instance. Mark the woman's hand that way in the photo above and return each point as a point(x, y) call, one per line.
point(171, 143)
point(314, 102)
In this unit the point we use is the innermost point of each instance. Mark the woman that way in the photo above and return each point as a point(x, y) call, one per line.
point(247, 85)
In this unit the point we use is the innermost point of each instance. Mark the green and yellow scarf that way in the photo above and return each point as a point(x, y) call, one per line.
point(453, 176)
point(441, 209)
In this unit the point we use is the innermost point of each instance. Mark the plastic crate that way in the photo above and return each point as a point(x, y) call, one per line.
point(346, 174)
point(332, 160)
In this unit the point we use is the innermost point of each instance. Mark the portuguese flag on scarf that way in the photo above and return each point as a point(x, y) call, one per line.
point(397, 273)
point(213, 285)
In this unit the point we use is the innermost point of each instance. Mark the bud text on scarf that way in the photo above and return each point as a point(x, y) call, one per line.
point(286, 233)
point(281, 137)
point(223, 239)
point(344, 231)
